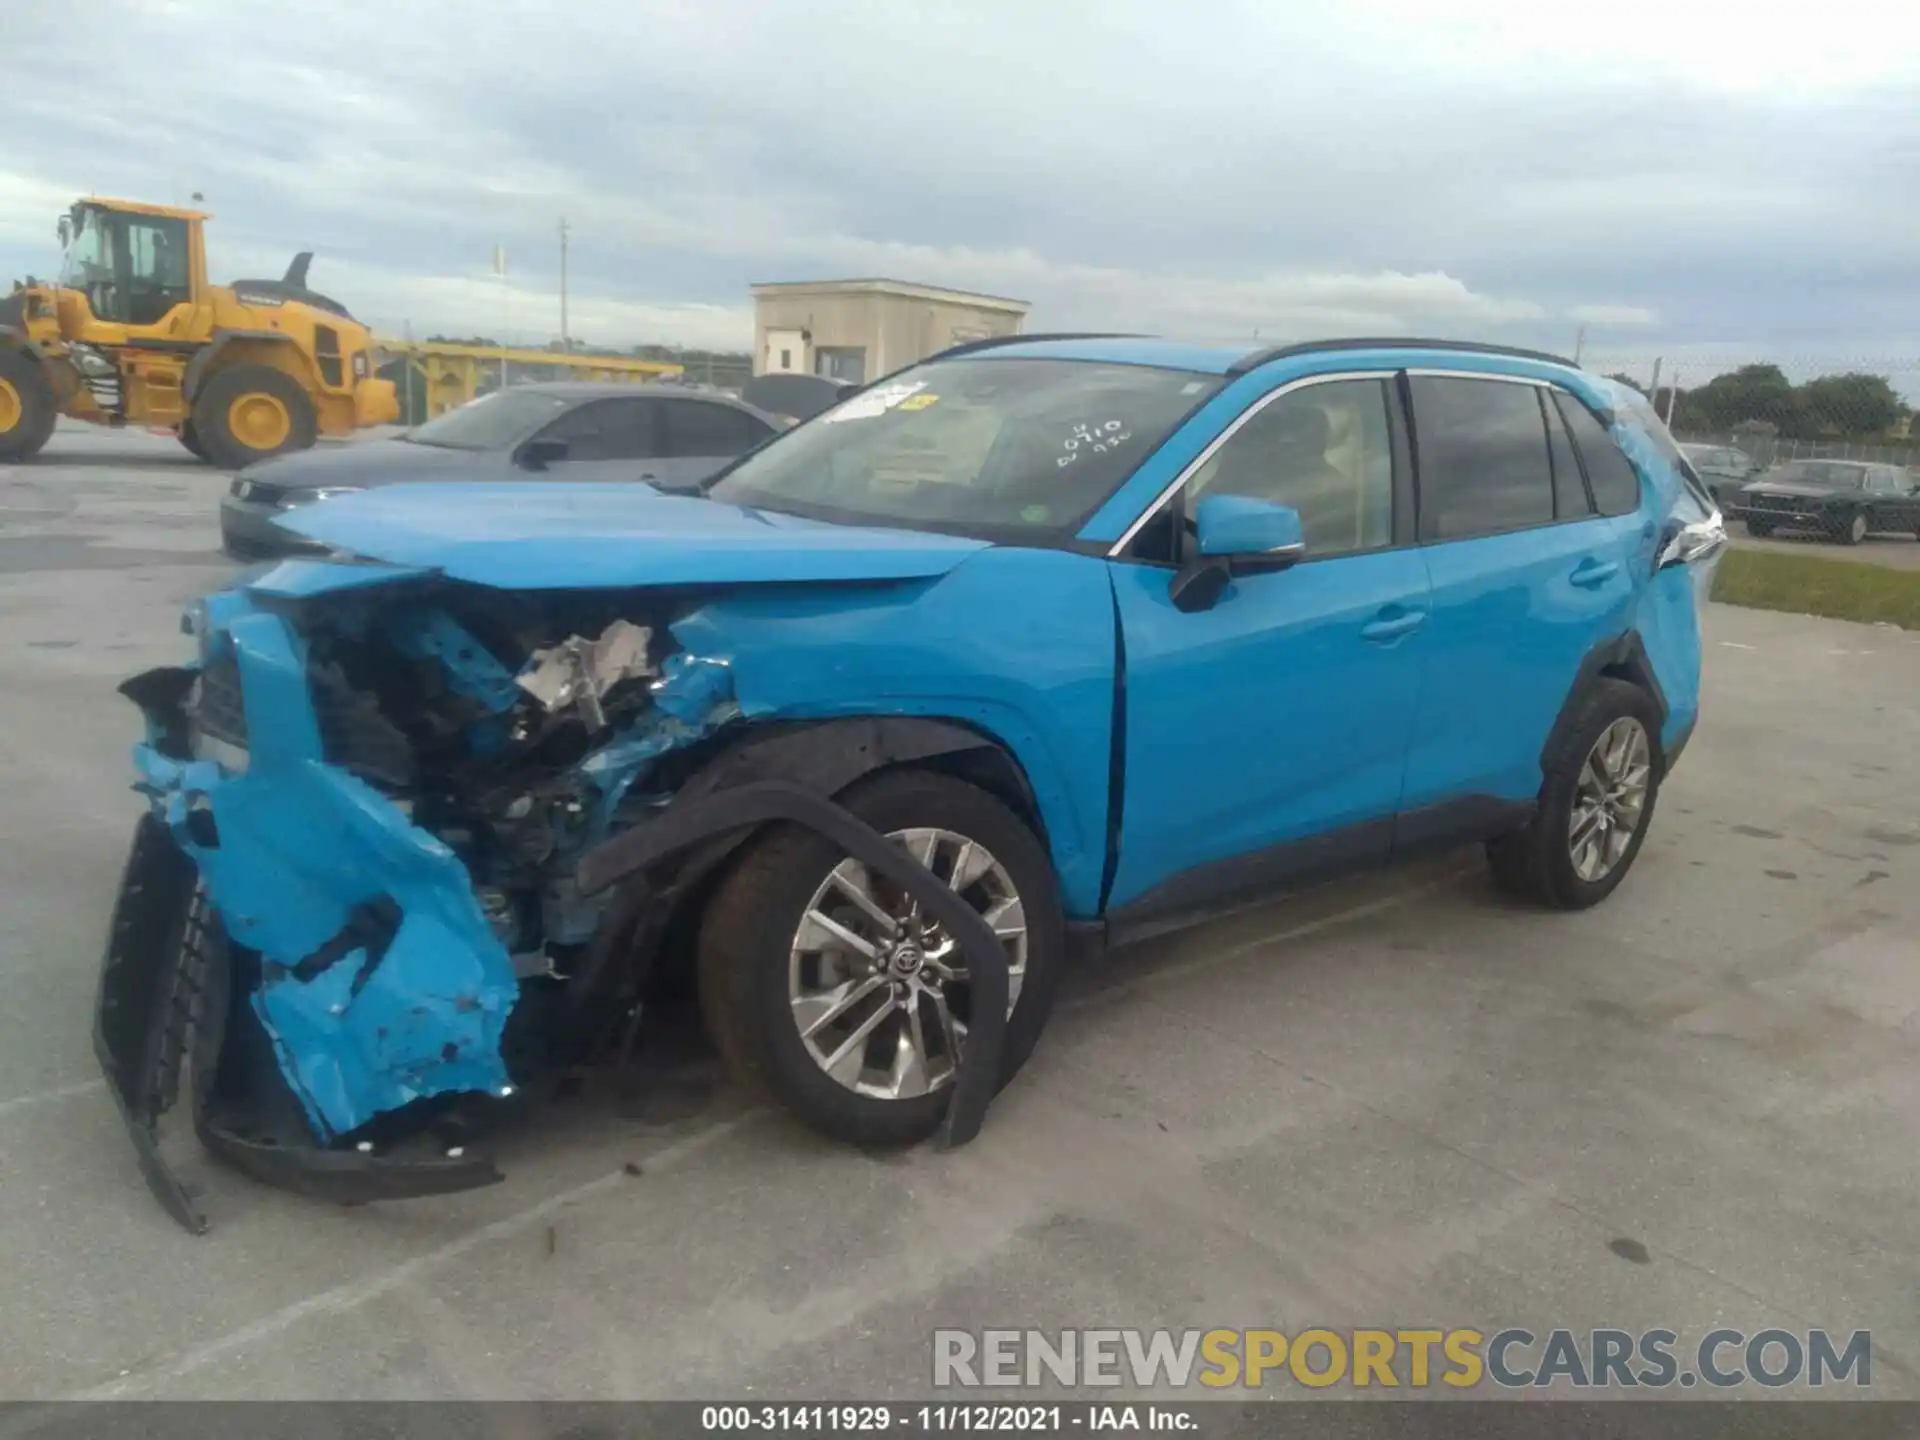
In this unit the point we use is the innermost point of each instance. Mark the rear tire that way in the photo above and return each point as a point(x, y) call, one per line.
point(754, 919)
point(190, 438)
point(27, 406)
point(1539, 863)
point(252, 412)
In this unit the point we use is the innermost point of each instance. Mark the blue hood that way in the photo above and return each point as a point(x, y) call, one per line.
point(553, 536)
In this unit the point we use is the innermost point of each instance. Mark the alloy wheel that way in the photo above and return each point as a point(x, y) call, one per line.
point(877, 989)
point(1610, 796)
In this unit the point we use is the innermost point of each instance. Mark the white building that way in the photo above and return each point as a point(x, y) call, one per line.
point(861, 329)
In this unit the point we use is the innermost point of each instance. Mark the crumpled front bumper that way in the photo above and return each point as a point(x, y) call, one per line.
point(173, 1014)
point(294, 950)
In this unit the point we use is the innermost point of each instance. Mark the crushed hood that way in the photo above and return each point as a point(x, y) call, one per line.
point(547, 536)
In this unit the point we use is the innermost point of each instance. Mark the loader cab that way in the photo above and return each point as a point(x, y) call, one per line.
point(135, 264)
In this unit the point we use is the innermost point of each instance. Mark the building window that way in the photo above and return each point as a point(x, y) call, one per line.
point(845, 363)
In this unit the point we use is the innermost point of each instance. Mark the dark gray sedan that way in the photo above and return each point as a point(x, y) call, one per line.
point(666, 437)
point(1844, 500)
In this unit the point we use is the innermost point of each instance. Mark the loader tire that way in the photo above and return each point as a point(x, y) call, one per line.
point(191, 439)
point(27, 406)
point(252, 412)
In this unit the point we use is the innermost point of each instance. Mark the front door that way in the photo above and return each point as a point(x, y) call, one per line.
point(617, 439)
point(1266, 735)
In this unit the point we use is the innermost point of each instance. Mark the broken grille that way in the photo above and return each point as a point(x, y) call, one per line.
point(219, 709)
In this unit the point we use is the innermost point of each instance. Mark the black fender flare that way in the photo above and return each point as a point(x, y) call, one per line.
point(747, 806)
point(1624, 657)
point(202, 362)
point(823, 757)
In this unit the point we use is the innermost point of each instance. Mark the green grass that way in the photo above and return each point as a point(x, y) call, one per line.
point(1812, 585)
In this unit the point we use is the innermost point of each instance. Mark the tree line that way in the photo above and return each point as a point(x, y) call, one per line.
point(1853, 406)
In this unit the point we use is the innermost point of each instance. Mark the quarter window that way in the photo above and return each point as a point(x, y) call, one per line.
point(1483, 462)
point(1326, 451)
point(1616, 484)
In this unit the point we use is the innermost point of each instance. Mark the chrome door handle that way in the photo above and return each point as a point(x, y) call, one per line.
point(1595, 572)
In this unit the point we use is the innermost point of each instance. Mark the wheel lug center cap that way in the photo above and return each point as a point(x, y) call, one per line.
point(905, 959)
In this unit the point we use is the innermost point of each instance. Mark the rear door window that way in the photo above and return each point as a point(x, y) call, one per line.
point(1482, 454)
point(1616, 484)
point(701, 429)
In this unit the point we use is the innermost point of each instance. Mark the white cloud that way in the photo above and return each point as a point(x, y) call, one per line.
point(1452, 166)
point(1614, 316)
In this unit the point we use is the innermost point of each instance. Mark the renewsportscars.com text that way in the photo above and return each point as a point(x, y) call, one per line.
point(1400, 1359)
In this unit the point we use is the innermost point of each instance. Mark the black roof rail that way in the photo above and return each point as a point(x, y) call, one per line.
point(1255, 359)
point(994, 342)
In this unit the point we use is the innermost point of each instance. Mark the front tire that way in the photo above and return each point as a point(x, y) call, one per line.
point(850, 1025)
point(27, 406)
point(252, 412)
point(1852, 528)
point(190, 438)
point(1596, 802)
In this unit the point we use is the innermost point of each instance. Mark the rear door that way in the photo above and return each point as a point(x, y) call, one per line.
point(701, 436)
point(1528, 552)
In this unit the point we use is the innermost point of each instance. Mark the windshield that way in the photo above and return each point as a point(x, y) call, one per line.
point(1021, 446)
point(493, 422)
point(1828, 474)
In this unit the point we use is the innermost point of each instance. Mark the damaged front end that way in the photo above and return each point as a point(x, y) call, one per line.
point(353, 917)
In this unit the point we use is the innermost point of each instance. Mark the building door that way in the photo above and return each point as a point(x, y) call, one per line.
point(786, 353)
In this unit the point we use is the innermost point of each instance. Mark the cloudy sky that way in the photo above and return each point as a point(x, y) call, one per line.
point(1683, 178)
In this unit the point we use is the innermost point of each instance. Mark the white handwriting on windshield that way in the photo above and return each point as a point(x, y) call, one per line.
point(1095, 439)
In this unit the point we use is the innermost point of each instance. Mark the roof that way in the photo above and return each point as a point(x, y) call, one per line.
point(584, 390)
point(880, 286)
point(142, 207)
point(1229, 359)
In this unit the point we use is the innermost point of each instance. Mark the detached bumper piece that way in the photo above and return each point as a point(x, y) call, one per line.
point(174, 1009)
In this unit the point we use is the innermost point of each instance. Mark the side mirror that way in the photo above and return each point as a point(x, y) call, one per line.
point(1250, 534)
point(539, 454)
point(1237, 535)
point(65, 231)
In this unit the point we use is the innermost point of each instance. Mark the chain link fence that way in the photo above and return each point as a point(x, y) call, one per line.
point(1826, 449)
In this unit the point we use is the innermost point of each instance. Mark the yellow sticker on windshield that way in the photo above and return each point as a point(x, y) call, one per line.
point(918, 402)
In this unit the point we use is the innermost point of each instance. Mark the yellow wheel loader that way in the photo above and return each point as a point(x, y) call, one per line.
point(132, 334)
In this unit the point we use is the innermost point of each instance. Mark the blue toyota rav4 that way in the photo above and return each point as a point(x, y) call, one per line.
point(1011, 653)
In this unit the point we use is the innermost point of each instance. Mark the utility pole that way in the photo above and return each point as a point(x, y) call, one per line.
point(566, 343)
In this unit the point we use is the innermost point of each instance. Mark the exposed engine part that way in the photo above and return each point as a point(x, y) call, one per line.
point(579, 672)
